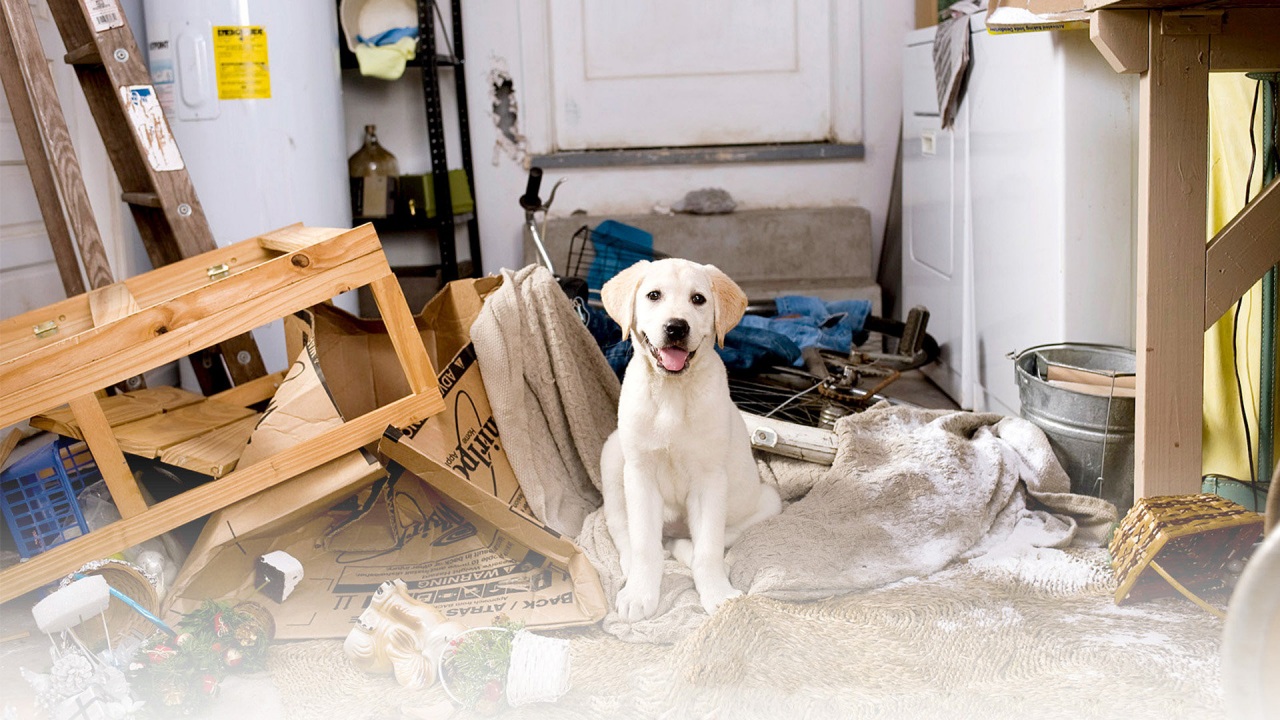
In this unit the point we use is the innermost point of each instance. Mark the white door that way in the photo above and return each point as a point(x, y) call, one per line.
point(28, 275)
point(673, 73)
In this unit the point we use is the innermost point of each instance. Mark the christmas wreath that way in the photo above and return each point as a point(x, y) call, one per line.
point(217, 639)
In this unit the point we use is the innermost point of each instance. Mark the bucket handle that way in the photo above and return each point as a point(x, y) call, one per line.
point(1016, 355)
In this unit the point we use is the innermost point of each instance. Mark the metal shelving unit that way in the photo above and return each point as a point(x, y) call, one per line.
point(445, 222)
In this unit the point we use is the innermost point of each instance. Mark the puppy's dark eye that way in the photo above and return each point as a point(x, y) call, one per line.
point(698, 299)
point(654, 295)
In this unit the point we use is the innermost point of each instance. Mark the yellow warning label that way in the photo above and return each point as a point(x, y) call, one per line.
point(240, 56)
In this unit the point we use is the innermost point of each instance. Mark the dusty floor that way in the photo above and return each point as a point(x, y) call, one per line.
point(22, 645)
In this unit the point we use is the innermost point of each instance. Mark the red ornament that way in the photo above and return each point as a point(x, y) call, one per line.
point(493, 690)
point(233, 658)
point(216, 647)
point(160, 653)
point(220, 626)
point(209, 684)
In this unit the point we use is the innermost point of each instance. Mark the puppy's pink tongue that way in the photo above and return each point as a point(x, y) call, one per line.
point(673, 358)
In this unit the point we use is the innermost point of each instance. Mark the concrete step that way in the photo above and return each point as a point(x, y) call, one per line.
point(825, 252)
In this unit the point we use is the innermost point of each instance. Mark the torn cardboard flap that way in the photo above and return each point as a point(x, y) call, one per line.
point(550, 584)
point(464, 437)
point(301, 408)
point(1019, 16)
point(359, 352)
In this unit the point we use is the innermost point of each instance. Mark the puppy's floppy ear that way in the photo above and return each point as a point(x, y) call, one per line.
point(619, 295)
point(730, 302)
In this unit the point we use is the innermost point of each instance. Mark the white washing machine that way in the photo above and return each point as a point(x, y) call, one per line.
point(1018, 222)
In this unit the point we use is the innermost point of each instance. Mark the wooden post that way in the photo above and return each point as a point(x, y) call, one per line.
point(106, 453)
point(1172, 210)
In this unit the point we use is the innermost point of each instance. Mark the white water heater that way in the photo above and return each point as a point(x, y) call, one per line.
point(253, 92)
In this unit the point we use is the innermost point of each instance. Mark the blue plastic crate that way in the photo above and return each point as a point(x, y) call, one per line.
point(38, 495)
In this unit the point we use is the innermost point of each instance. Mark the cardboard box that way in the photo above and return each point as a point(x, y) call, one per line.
point(1018, 16)
point(454, 526)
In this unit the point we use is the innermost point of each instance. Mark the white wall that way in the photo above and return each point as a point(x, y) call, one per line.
point(501, 32)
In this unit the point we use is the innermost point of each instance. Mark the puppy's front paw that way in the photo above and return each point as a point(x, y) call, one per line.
point(637, 603)
point(713, 599)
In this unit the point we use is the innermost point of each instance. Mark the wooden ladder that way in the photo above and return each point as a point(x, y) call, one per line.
point(153, 178)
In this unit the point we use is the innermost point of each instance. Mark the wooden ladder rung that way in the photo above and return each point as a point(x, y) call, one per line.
point(144, 199)
point(86, 54)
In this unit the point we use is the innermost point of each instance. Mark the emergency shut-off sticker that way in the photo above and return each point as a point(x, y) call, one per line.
point(240, 62)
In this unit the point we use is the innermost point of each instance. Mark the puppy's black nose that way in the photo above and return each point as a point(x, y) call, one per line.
point(677, 330)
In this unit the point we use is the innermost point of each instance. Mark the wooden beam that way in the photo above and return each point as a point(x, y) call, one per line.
point(296, 237)
point(1250, 41)
point(1191, 22)
point(1172, 200)
point(200, 501)
point(1122, 36)
point(10, 441)
point(110, 303)
point(149, 436)
point(119, 409)
point(1241, 253)
point(216, 452)
point(404, 333)
point(157, 286)
point(252, 392)
point(153, 336)
point(106, 453)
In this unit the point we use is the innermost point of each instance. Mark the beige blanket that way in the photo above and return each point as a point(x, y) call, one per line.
point(910, 490)
point(553, 396)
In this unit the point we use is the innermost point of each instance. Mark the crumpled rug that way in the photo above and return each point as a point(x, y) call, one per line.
point(1030, 634)
point(910, 490)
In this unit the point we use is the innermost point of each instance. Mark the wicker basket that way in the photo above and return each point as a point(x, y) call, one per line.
point(1193, 537)
point(122, 621)
point(261, 615)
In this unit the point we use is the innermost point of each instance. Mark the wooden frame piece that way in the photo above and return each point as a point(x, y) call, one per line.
point(180, 307)
point(1241, 253)
point(1121, 36)
point(1248, 41)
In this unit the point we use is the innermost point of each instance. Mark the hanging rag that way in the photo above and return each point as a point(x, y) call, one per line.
point(387, 61)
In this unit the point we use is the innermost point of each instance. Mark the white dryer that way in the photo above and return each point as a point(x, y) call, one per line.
point(1018, 222)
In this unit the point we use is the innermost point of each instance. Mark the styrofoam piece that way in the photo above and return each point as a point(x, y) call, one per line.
point(72, 605)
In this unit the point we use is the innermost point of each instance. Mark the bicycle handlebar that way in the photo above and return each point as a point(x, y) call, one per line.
point(530, 200)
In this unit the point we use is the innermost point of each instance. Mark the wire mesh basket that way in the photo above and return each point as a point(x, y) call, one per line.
point(599, 253)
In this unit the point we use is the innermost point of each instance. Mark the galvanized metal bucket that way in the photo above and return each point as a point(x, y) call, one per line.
point(1092, 435)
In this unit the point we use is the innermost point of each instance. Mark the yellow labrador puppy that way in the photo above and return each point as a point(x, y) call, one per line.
point(679, 465)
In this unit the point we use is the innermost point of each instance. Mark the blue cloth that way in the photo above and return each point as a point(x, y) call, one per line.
point(810, 322)
point(388, 37)
point(617, 246)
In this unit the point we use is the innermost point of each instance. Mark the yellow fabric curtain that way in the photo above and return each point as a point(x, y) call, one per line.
point(1230, 101)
